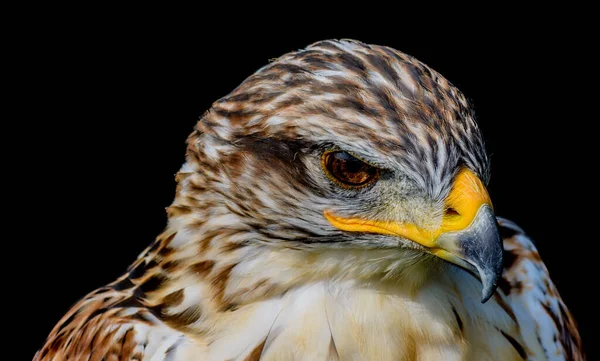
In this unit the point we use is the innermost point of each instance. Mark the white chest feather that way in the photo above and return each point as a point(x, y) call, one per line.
point(341, 321)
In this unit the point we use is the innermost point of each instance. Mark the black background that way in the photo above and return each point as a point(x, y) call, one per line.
point(109, 111)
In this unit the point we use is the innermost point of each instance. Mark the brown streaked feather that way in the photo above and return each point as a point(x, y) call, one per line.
point(247, 241)
point(527, 287)
point(256, 352)
point(91, 331)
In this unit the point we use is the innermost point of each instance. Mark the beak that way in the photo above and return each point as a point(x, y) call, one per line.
point(467, 236)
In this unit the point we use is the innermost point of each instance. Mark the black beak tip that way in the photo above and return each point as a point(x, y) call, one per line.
point(485, 251)
point(487, 292)
point(489, 279)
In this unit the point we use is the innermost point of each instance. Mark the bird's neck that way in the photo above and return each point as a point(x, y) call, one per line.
point(190, 279)
point(261, 297)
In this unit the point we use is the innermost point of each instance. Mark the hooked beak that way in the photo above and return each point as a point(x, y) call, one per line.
point(468, 235)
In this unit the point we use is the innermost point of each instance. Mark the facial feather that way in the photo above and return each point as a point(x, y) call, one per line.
point(252, 192)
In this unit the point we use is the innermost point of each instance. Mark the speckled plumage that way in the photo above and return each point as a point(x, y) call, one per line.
point(248, 268)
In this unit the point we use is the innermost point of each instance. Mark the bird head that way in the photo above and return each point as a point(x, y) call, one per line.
point(342, 147)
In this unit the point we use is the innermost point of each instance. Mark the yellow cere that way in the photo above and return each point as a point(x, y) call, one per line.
point(468, 194)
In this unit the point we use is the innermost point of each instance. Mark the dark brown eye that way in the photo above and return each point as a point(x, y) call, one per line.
point(348, 171)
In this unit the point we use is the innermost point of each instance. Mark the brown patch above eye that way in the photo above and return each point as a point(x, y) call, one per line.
point(347, 170)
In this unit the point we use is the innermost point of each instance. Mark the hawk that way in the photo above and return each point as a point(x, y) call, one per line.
point(332, 207)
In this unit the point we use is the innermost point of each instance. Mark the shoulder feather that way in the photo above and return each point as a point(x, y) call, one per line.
point(111, 326)
point(546, 324)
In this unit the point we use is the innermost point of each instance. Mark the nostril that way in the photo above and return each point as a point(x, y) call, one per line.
point(451, 212)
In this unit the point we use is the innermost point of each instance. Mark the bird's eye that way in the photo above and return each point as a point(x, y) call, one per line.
point(348, 171)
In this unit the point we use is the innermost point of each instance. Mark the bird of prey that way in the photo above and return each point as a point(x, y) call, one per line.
point(332, 207)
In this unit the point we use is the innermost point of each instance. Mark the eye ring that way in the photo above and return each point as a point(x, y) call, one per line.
point(347, 171)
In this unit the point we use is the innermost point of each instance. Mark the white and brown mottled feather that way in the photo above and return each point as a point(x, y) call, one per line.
point(545, 321)
point(249, 269)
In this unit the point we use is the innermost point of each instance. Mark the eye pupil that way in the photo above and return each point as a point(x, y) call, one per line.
point(348, 170)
